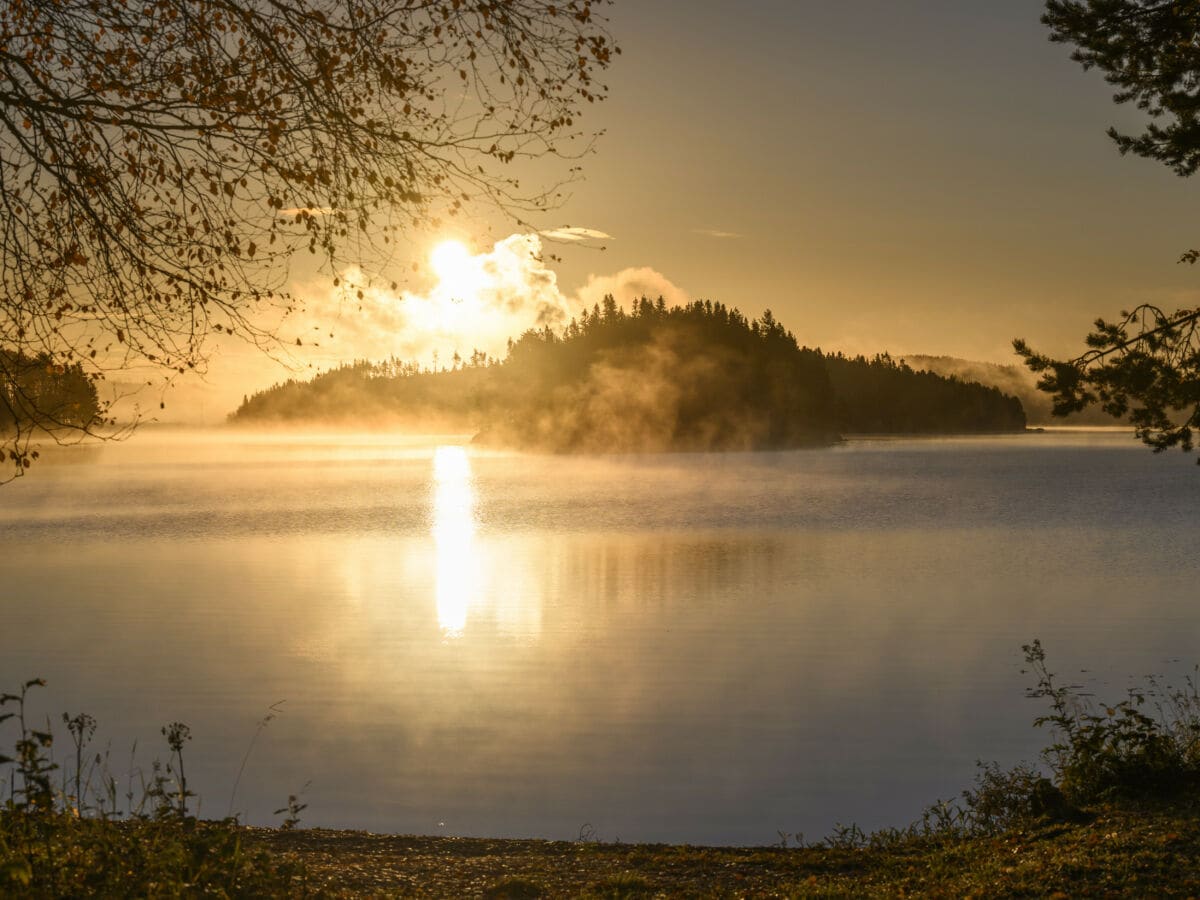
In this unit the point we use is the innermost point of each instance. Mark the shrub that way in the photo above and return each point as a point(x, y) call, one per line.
point(55, 842)
point(1119, 751)
point(1100, 753)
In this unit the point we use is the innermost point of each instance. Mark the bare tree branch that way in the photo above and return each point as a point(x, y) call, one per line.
point(162, 162)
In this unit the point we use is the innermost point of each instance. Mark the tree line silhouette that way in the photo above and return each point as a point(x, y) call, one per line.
point(35, 390)
point(701, 376)
point(885, 395)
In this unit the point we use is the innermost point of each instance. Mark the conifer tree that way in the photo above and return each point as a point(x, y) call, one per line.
point(1144, 365)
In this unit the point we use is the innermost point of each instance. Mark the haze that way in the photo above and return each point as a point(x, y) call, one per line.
point(928, 180)
point(711, 506)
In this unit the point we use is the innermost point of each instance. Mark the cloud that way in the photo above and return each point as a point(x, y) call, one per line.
point(629, 284)
point(570, 233)
point(488, 298)
point(715, 233)
point(483, 301)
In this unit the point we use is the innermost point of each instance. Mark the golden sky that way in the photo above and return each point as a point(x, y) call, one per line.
point(927, 177)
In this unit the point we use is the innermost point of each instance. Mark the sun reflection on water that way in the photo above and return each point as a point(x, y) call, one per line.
point(454, 538)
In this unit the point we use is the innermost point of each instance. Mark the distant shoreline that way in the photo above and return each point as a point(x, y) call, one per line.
point(403, 431)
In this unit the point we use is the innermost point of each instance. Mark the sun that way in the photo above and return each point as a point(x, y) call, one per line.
point(449, 259)
point(460, 274)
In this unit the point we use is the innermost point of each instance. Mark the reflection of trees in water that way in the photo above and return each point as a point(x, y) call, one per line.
point(652, 569)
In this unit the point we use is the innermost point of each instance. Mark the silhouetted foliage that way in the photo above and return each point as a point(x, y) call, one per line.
point(1147, 49)
point(389, 393)
point(162, 161)
point(1145, 366)
point(1015, 380)
point(653, 377)
point(37, 392)
point(1144, 746)
point(694, 377)
point(64, 833)
point(701, 376)
point(886, 395)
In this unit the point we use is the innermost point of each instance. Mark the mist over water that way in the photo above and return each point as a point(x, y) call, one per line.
point(691, 647)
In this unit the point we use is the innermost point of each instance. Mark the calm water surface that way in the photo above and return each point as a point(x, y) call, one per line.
point(691, 648)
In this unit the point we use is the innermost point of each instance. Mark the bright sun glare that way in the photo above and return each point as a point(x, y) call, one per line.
point(459, 273)
point(454, 537)
point(479, 300)
point(449, 258)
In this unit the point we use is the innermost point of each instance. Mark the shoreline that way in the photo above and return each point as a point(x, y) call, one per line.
point(1114, 851)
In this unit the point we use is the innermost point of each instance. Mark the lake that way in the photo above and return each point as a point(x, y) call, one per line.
point(683, 648)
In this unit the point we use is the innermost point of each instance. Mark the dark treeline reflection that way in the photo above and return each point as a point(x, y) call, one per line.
point(696, 377)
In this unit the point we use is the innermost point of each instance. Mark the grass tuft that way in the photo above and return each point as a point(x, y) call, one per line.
point(621, 886)
point(62, 832)
point(514, 889)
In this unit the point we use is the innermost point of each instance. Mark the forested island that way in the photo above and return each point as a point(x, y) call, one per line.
point(650, 378)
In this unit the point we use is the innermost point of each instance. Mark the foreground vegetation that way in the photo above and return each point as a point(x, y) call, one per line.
point(651, 378)
point(1113, 811)
point(71, 830)
point(1119, 851)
